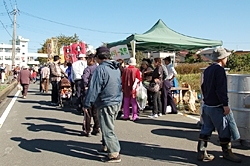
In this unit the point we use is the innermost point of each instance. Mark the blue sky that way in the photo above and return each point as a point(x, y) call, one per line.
point(112, 20)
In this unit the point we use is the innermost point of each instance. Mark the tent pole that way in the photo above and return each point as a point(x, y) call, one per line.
point(133, 44)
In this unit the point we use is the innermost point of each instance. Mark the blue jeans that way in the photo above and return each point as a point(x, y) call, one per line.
point(213, 117)
point(232, 126)
point(107, 116)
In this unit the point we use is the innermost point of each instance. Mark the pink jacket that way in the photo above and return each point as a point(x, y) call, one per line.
point(24, 77)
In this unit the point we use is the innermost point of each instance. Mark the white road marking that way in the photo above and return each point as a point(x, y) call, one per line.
point(189, 116)
point(7, 110)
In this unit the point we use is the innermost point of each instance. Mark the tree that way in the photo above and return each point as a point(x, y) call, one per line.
point(239, 63)
point(139, 56)
point(199, 58)
point(42, 60)
point(62, 40)
point(189, 58)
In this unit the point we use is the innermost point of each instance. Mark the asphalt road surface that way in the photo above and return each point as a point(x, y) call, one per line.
point(37, 134)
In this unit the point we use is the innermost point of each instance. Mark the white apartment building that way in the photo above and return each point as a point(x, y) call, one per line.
point(22, 55)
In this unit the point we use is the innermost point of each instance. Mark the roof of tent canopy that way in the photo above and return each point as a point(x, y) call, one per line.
point(162, 38)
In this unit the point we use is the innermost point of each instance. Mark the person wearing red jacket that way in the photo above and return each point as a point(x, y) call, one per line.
point(130, 78)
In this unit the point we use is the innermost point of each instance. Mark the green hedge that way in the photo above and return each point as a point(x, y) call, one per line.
point(239, 63)
point(190, 68)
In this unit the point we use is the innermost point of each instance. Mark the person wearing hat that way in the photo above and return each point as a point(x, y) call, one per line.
point(24, 78)
point(216, 113)
point(76, 76)
point(105, 93)
point(130, 78)
point(55, 76)
point(91, 112)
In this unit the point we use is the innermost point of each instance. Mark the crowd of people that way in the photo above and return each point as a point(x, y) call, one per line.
point(105, 87)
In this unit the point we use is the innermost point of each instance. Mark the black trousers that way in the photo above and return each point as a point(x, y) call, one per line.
point(92, 112)
point(55, 95)
point(78, 85)
point(157, 105)
point(167, 98)
point(40, 84)
point(150, 98)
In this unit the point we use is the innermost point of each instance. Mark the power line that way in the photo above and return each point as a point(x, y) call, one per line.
point(6, 8)
point(11, 4)
point(87, 29)
point(5, 28)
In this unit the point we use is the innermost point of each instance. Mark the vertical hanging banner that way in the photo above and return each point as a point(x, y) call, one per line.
point(74, 52)
point(120, 52)
point(54, 47)
point(67, 53)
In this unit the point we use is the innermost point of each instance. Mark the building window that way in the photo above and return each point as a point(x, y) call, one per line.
point(1, 49)
point(7, 57)
point(23, 45)
point(8, 49)
point(18, 50)
point(31, 58)
point(17, 58)
point(23, 53)
point(1, 57)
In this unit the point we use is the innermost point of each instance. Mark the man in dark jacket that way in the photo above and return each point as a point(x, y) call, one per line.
point(104, 92)
point(215, 110)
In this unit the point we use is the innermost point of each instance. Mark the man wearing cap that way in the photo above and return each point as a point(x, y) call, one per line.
point(76, 76)
point(104, 92)
point(216, 113)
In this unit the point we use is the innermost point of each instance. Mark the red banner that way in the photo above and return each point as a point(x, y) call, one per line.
point(71, 52)
point(67, 54)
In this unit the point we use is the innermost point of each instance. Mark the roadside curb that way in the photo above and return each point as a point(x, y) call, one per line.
point(5, 92)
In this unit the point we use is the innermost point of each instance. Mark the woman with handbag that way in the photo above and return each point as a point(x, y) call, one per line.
point(155, 86)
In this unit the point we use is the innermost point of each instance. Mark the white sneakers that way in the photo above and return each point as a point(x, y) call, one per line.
point(153, 116)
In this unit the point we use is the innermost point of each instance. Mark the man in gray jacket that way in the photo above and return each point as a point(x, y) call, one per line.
point(105, 93)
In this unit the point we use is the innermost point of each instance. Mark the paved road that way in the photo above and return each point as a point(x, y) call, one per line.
point(36, 134)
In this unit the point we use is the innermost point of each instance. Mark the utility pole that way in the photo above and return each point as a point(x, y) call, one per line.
point(14, 37)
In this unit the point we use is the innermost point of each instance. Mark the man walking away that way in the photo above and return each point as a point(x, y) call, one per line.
point(216, 113)
point(104, 92)
point(76, 76)
point(44, 76)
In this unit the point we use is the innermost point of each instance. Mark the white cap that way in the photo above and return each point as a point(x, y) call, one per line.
point(81, 56)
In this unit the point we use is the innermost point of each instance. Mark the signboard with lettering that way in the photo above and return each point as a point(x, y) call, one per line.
point(120, 52)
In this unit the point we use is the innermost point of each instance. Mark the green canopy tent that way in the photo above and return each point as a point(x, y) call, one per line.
point(162, 38)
